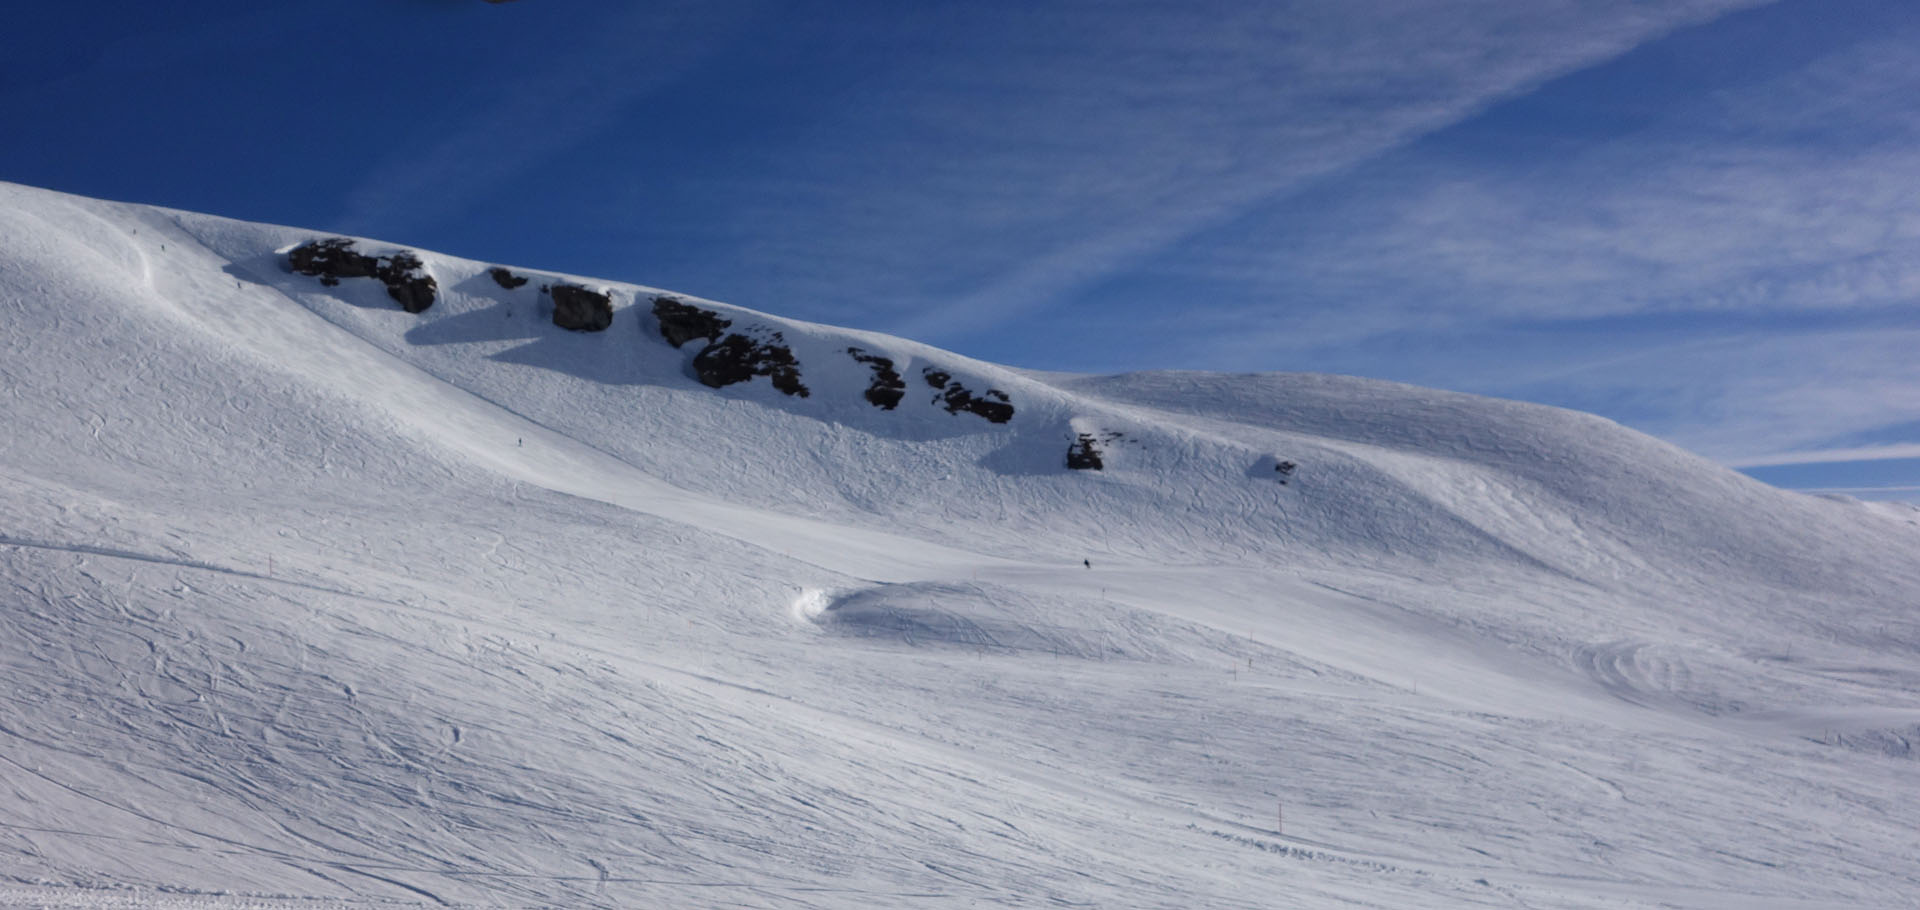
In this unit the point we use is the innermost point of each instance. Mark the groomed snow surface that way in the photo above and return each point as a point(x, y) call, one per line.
point(306, 601)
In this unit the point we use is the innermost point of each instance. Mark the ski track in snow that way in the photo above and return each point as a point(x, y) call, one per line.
point(309, 602)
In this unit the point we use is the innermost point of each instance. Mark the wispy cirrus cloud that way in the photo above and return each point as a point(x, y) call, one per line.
point(1004, 157)
point(1886, 490)
point(1748, 399)
point(1831, 456)
point(1656, 225)
point(1766, 398)
point(1733, 265)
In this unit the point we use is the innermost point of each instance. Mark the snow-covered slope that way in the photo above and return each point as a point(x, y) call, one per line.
point(312, 598)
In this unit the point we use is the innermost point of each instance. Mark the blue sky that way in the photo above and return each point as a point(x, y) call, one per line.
point(1698, 217)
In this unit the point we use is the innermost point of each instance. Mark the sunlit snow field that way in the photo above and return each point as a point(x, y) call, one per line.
point(309, 601)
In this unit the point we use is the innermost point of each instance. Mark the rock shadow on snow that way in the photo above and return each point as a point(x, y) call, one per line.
point(967, 617)
point(580, 354)
point(255, 270)
point(494, 323)
point(1061, 450)
point(1274, 468)
point(1025, 456)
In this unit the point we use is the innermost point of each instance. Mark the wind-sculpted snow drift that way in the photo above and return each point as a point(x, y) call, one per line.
point(555, 591)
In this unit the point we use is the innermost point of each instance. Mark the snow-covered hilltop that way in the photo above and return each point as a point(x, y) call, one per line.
point(337, 570)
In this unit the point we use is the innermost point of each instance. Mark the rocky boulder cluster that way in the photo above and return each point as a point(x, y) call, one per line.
point(737, 358)
point(993, 404)
point(581, 309)
point(732, 357)
point(726, 357)
point(887, 388)
point(681, 322)
point(334, 258)
point(1084, 453)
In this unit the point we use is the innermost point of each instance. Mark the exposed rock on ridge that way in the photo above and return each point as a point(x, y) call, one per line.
point(993, 404)
point(887, 387)
point(1084, 455)
point(737, 358)
point(730, 359)
point(334, 258)
point(682, 322)
point(581, 309)
point(504, 278)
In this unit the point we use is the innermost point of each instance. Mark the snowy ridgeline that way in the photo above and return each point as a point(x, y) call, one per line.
point(337, 571)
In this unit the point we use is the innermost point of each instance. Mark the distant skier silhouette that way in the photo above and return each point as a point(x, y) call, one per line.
point(1087, 562)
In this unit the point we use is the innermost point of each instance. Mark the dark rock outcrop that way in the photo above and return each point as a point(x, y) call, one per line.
point(334, 258)
point(506, 279)
point(993, 404)
point(728, 358)
point(887, 388)
point(1284, 470)
point(581, 309)
point(681, 322)
point(737, 358)
point(407, 281)
point(331, 260)
point(1084, 454)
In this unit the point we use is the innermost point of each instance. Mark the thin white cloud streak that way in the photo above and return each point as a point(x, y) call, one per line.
point(1830, 456)
point(1764, 212)
point(1699, 229)
point(1894, 489)
point(1747, 399)
point(1740, 398)
point(1744, 214)
point(999, 176)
